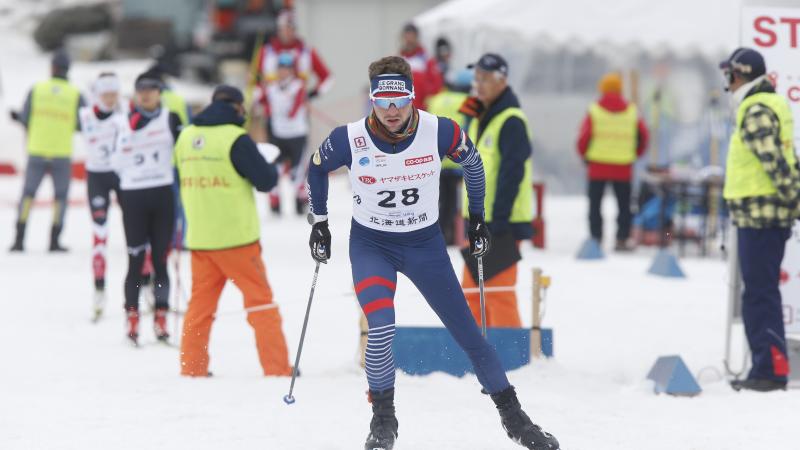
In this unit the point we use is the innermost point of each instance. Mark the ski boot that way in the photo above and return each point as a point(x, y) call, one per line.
point(133, 326)
point(383, 427)
point(55, 247)
point(160, 325)
point(98, 303)
point(518, 425)
point(275, 204)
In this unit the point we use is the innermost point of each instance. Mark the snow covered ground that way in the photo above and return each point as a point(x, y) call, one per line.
point(68, 384)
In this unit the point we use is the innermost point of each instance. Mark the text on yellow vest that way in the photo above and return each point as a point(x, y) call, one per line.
point(53, 118)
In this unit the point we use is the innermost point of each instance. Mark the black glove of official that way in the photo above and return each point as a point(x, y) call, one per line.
point(480, 239)
point(320, 242)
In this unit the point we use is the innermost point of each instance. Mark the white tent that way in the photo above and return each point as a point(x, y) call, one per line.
point(706, 26)
point(549, 40)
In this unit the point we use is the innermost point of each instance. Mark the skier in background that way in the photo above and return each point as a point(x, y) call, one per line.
point(99, 125)
point(394, 159)
point(427, 78)
point(143, 160)
point(285, 106)
point(307, 61)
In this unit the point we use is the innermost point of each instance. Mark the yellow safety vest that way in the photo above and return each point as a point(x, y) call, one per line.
point(744, 174)
point(219, 203)
point(613, 135)
point(175, 103)
point(489, 148)
point(446, 104)
point(53, 118)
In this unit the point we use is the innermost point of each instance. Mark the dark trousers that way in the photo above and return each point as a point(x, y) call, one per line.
point(760, 254)
point(622, 190)
point(60, 169)
point(449, 190)
point(149, 217)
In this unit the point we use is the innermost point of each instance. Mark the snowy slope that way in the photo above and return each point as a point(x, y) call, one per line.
point(68, 384)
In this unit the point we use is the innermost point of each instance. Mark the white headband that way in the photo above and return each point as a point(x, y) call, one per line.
point(106, 84)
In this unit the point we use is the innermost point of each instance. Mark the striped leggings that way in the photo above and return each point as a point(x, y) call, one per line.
point(421, 255)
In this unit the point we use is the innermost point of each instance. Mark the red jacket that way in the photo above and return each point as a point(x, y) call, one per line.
point(602, 171)
point(427, 78)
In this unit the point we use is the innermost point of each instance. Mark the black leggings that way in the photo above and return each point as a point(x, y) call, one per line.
point(149, 217)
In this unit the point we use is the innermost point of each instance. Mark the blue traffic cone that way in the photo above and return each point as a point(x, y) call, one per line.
point(590, 250)
point(665, 264)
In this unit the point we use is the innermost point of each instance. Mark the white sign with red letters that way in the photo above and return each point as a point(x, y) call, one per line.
point(775, 33)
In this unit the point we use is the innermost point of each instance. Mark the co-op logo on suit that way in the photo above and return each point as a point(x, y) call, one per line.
point(420, 160)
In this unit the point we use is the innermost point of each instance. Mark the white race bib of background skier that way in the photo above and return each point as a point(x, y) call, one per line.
point(143, 158)
point(99, 139)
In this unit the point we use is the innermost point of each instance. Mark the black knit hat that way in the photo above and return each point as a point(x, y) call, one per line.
point(149, 80)
point(60, 60)
point(227, 93)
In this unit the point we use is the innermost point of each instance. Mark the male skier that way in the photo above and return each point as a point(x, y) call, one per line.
point(394, 158)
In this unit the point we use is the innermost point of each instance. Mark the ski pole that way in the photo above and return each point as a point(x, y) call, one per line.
point(288, 398)
point(483, 297)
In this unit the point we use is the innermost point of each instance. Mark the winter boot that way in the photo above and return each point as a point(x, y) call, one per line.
point(55, 247)
point(624, 246)
point(133, 326)
point(383, 427)
point(518, 425)
point(758, 384)
point(20, 238)
point(160, 324)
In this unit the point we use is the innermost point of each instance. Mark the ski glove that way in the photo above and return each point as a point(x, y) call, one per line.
point(320, 242)
point(480, 239)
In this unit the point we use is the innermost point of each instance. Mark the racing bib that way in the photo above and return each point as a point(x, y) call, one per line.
point(143, 158)
point(396, 192)
point(99, 139)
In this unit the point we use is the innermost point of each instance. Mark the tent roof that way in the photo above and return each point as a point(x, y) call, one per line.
point(710, 27)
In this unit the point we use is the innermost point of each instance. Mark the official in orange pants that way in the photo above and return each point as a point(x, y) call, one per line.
point(210, 271)
point(218, 166)
point(501, 307)
point(499, 128)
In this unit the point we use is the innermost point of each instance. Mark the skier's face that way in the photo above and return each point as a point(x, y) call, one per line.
point(285, 72)
point(109, 99)
point(148, 99)
point(286, 33)
point(393, 118)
